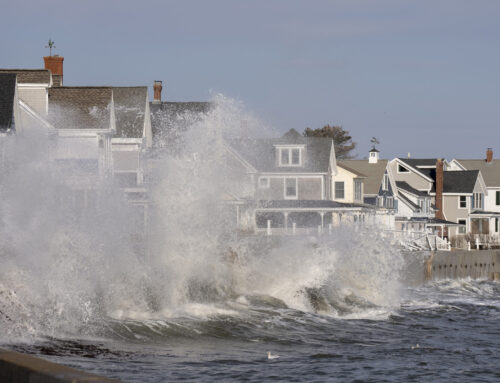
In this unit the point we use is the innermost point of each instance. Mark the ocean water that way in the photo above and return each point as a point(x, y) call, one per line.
point(441, 331)
point(192, 299)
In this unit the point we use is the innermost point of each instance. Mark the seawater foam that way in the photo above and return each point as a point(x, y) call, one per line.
point(70, 273)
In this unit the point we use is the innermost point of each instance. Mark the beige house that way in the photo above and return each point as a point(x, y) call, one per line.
point(347, 185)
point(490, 171)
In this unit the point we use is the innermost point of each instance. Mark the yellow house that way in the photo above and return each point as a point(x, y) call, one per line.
point(347, 185)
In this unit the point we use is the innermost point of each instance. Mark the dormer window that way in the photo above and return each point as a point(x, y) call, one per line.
point(290, 156)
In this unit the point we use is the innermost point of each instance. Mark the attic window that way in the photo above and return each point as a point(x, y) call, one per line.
point(402, 169)
point(290, 157)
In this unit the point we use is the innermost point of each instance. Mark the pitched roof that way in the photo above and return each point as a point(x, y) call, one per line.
point(374, 173)
point(30, 76)
point(170, 118)
point(489, 170)
point(353, 171)
point(403, 185)
point(261, 153)
point(426, 166)
point(419, 162)
point(7, 92)
point(80, 107)
point(459, 181)
point(130, 110)
point(409, 202)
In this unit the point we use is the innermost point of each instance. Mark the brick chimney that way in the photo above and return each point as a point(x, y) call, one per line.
point(55, 65)
point(157, 92)
point(439, 189)
point(489, 155)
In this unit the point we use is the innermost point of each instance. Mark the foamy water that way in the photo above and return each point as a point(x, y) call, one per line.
point(205, 302)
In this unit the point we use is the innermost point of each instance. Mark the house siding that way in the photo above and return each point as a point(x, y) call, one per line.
point(36, 98)
point(413, 179)
point(348, 179)
point(309, 188)
point(452, 212)
point(126, 160)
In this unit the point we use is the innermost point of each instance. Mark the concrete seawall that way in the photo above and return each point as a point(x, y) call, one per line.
point(462, 264)
point(20, 368)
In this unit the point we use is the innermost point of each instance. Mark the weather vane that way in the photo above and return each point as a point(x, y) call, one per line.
point(374, 141)
point(50, 45)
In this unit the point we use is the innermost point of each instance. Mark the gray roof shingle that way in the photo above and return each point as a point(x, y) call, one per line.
point(261, 153)
point(373, 172)
point(489, 170)
point(459, 181)
point(406, 187)
point(170, 119)
point(130, 110)
point(80, 107)
point(308, 204)
point(30, 76)
point(7, 92)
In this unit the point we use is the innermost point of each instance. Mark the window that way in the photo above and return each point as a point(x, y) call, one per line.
point(339, 190)
point(290, 188)
point(402, 169)
point(295, 156)
point(477, 201)
point(496, 224)
point(462, 229)
point(357, 190)
point(385, 183)
point(263, 182)
point(421, 203)
point(390, 203)
point(285, 157)
point(498, 198)
point(372, 154)
point(462, 204)
point(290, 157)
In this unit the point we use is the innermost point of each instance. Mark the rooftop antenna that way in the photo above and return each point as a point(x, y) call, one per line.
point(50, 45)
point(374, 142)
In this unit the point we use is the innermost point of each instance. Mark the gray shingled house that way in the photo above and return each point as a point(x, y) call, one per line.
point(291, 178)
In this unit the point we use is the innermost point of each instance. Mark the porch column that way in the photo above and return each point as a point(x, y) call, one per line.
point(286, 221)
point(322, 213)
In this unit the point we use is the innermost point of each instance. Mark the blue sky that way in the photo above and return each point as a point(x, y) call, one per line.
point(421, 76)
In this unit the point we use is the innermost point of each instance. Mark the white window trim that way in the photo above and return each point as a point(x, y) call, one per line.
point(391, 199)
point(290, 156)
point(360, 183)
point(385, 182)
point(462, 208)
point(464, 228)
point(296, 196)
point(266, 185)
point(335, 189)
